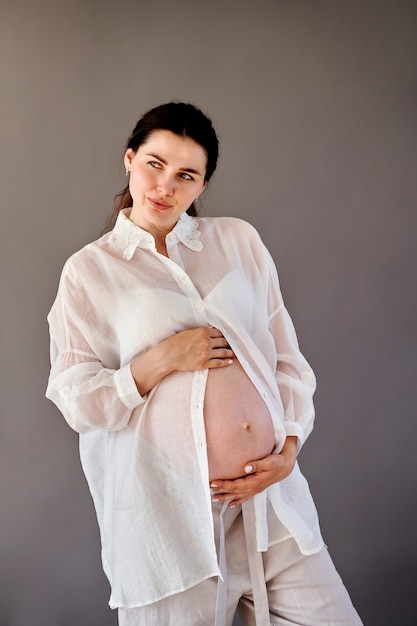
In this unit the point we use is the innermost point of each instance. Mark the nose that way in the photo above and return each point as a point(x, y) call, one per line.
point(166, 184)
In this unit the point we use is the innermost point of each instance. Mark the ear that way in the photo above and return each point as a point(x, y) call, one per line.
point(129, 154)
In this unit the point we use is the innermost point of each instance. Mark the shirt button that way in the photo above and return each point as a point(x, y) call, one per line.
point(198, 305)
point(265, 395)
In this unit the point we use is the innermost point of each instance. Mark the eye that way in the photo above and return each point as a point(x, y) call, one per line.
point(155, 165)
point(186, 176)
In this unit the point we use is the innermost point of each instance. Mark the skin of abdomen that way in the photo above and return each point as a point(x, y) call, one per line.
point(238, 424)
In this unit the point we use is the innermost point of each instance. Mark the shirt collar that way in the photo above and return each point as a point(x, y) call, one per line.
point(129, 236)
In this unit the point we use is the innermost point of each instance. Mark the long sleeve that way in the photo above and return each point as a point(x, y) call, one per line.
point(295, 378)
point(91, 390)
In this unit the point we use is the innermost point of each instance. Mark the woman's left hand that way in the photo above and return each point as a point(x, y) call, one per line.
point(259, 475)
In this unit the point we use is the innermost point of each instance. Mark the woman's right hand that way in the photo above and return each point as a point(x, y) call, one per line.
point(198, 349)
point(187, 350)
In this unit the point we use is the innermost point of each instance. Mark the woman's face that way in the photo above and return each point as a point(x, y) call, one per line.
point(166, 176)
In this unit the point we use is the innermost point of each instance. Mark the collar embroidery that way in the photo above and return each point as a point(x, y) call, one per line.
point(129, 236)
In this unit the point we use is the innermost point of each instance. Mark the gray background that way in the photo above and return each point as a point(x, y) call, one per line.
point(315, 105)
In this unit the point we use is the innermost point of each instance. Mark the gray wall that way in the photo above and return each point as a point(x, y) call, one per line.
point(315, 104)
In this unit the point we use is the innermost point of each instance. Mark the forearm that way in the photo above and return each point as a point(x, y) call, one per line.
point(187, 350)
point(151, 367)
point(93, 397)
point(289, 449)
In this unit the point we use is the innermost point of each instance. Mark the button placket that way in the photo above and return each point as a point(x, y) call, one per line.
point(187, 286)
point(197, 403)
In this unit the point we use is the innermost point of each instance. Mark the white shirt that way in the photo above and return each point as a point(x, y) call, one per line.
point(145, 458)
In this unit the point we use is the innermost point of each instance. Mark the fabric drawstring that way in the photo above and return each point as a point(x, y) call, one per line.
point(256, 569)
point(256, 566)
point(221, 601)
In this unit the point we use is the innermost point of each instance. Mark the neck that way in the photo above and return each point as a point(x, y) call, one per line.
point(158, 233)
point(160, 246)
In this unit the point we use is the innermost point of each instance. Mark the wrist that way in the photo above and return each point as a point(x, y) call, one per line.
point(151, 367)
point(290, 448)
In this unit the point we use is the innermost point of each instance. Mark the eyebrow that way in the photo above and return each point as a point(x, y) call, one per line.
point(183, 169)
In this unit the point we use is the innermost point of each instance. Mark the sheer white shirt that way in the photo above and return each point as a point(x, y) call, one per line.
point(145, 458)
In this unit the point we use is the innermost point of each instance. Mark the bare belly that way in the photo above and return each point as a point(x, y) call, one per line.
point(238, 424)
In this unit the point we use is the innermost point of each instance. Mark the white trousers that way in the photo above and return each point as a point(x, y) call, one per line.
point(280, 587)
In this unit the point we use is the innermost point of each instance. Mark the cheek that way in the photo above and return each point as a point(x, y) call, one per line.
point(140, 182)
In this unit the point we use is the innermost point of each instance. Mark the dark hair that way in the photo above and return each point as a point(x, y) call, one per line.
point(182, 119)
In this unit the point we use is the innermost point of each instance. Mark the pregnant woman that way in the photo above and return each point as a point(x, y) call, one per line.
point(175, 359)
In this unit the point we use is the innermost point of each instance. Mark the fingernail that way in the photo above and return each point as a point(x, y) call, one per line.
point(214, 486)
point(230, 361)
point(248, 469)
point(215, 500)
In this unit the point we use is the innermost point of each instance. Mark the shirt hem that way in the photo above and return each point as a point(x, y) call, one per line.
point(113, 604)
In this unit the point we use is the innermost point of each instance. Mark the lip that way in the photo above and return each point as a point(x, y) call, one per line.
point(159, 204)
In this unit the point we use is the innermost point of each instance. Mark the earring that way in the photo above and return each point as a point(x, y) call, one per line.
point(127, 172)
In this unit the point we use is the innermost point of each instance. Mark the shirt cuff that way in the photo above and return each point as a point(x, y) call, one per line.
point(126, 388)
point(292, 429)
